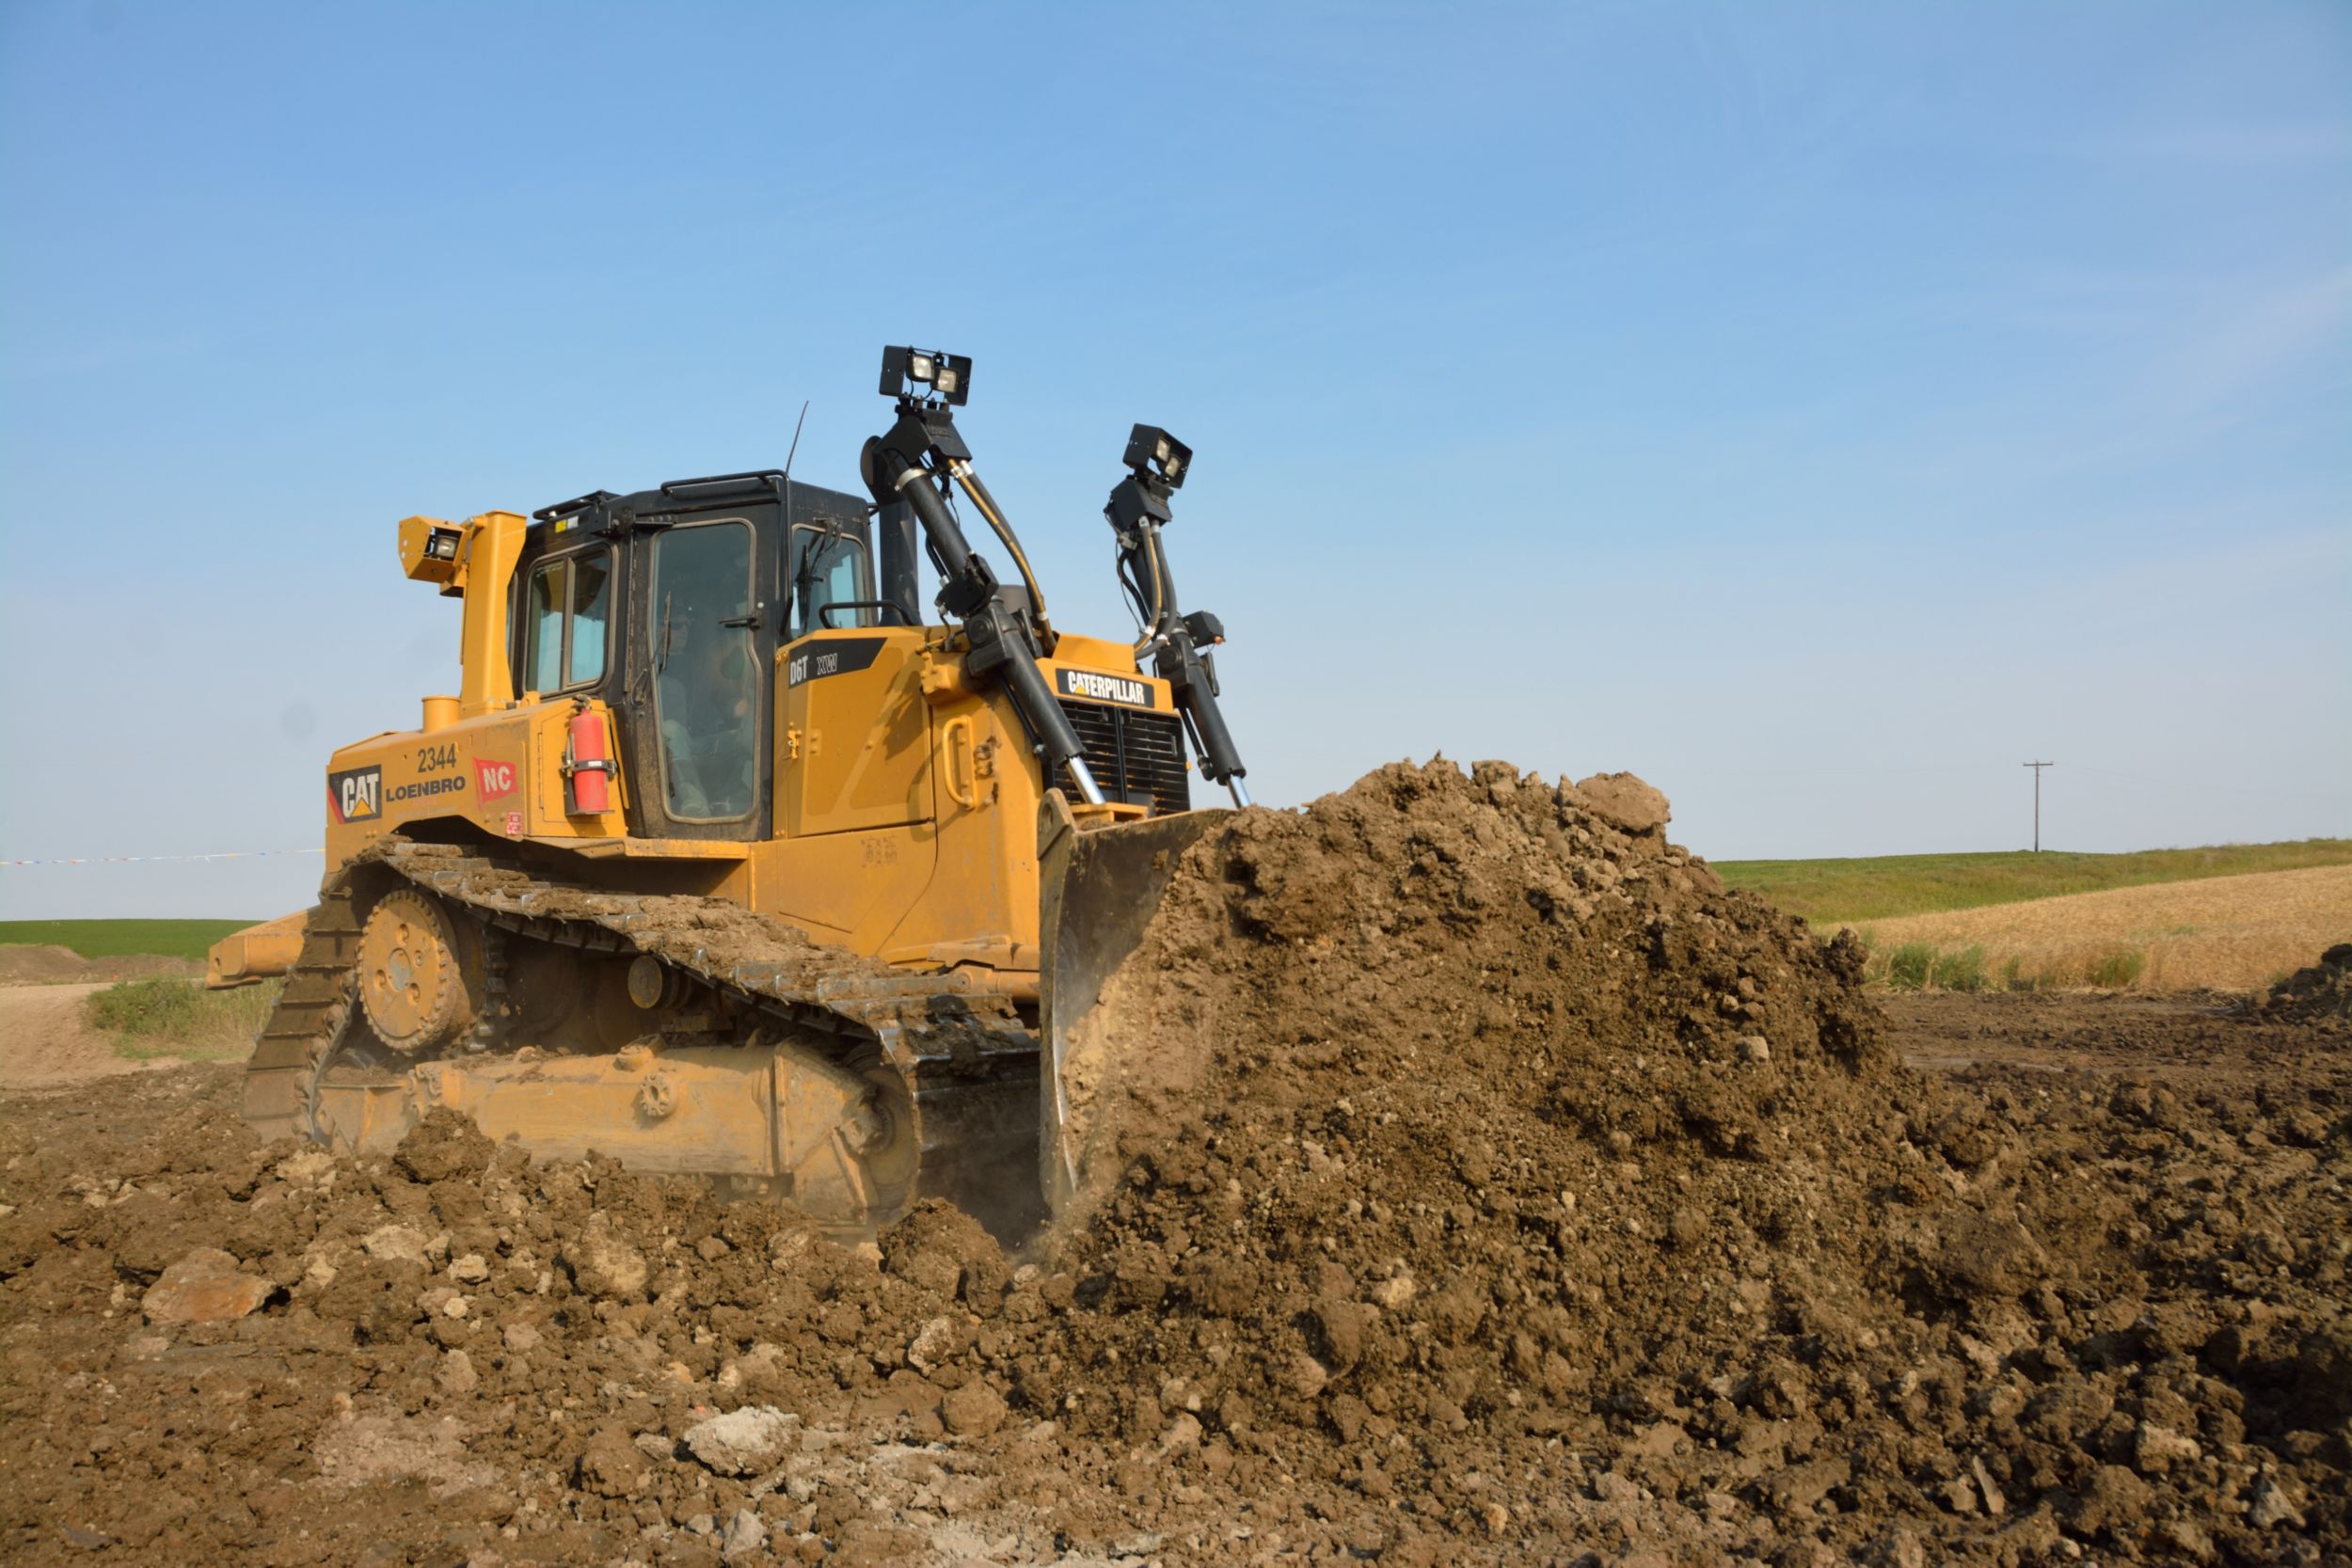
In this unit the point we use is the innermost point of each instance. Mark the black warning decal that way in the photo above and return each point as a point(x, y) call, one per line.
point(834, 656)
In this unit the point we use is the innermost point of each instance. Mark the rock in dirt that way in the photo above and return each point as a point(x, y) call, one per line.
point(445, 1145)
point(602, 1262)
point(206, 1286)
point(974, 1410)
point(395, 1244)
point(2272, 1506)
point(742, 1442)
point(455, 1374)
point(1625, 802)
point(611, 1465)
point(745, 1534)
point(937, 1341)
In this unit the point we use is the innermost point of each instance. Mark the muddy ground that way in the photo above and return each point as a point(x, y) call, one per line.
point(1524, 1198)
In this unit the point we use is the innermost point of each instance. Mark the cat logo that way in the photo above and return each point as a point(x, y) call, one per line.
point(356, 795)
point(1124, 689)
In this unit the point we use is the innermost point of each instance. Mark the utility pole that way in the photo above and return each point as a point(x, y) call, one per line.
point(2037, 767)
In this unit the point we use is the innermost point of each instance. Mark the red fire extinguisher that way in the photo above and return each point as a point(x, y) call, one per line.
point(586, 763)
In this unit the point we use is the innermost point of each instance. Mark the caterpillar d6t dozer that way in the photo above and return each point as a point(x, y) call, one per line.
point(729, 858)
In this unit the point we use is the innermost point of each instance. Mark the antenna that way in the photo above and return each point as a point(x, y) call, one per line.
point(795, 450)
point(792, 452)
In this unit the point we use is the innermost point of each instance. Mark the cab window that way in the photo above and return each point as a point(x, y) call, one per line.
point(565, 616)
point(828, 567)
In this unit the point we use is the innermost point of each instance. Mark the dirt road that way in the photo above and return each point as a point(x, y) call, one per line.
point(47, 1043)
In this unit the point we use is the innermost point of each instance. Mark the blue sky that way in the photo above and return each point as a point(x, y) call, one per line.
point(1817, 410)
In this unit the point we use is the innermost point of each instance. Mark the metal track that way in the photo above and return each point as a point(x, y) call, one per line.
point(968, 1064)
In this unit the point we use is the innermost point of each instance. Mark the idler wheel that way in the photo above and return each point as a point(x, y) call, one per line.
point(420, 972)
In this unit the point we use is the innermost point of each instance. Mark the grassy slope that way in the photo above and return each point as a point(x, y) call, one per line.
point(114, 939)
point(1836, 892)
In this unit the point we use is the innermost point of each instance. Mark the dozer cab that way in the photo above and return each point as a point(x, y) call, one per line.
point(733, 857)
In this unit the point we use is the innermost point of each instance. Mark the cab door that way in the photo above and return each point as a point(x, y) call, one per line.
point(709, 677)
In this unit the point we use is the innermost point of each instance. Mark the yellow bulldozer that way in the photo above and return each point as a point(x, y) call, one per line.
point(729, 858)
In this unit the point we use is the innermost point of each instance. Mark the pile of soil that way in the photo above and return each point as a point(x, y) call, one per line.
point(1504, 1192)
point(1491, 1155)
point(47, 964)
point(223, 1351)
point(2319, 994)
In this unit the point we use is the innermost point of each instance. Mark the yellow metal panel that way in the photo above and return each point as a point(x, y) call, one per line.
point(500, 770)
point(853, 742)
point(550, 729)
point(852, 888)
point(493, 543)
point(962, 886)
point(256, 953)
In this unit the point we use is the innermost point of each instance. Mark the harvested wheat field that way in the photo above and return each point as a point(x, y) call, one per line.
point(2227, 934)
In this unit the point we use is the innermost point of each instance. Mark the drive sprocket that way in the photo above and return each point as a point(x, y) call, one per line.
point(420, 972)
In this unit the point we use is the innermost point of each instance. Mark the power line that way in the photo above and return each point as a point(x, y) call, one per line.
point(143, 860)
point(2037, 767)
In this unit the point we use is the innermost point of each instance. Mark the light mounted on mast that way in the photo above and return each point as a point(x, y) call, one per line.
point(916, 462)
point(1156, 455)
point(925, 373)
point(1179, 643)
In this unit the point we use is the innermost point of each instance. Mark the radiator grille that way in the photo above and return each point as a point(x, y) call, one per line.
point(1134, 757)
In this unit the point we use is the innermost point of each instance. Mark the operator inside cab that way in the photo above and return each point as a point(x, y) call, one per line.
point(706, 677)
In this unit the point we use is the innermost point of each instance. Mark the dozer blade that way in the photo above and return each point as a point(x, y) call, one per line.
point(1098, 889)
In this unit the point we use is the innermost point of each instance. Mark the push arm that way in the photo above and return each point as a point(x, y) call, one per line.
point(920, 454)
point(1137, 510)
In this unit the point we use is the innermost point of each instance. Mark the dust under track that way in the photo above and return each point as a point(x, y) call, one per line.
point(1527, 1198)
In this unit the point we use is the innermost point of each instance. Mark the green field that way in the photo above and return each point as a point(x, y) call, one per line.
point(116, 939)
point(179, 1017)
point(1841, 892)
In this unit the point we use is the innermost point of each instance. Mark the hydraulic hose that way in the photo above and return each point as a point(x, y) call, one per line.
point(999, 644)
point(963, 475)
point(1156, 622)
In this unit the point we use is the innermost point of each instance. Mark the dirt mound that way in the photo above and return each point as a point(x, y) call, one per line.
point(1490, 1154)
point(2319, 994)
point(43, 964)
point(1518, 1195)
point(1510, 960)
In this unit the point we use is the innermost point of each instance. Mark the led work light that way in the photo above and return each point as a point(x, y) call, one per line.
point(921, 373)
point(1154, 453)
